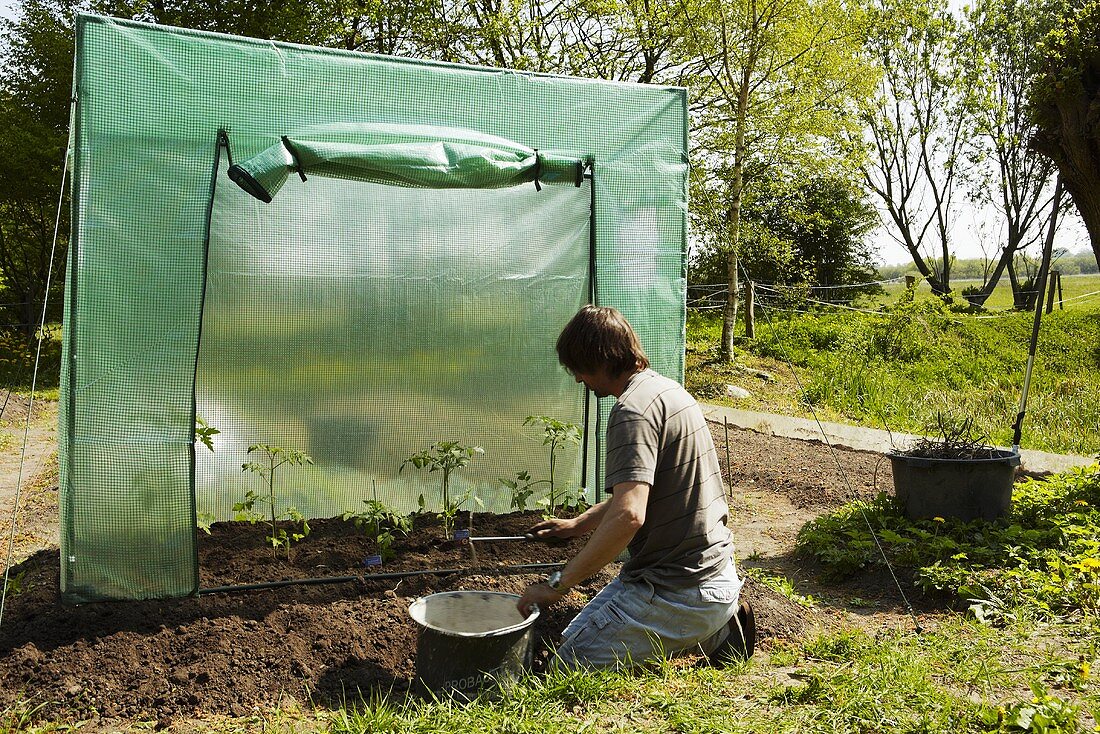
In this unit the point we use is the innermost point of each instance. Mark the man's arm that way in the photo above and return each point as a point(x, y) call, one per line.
point(619, 520)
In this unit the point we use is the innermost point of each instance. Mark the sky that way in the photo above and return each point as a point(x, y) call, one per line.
point(974, 228)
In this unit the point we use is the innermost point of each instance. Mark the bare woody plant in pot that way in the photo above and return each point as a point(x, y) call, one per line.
point(953, 439)
point(954, 474)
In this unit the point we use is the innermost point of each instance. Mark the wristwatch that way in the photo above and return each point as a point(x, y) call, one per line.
point(554, 582)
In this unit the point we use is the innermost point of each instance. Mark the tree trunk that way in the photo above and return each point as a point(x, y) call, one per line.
point(729, 315)
point(1070, 136)
point(733, 215)
point(1014, 281)
point(1015, 237)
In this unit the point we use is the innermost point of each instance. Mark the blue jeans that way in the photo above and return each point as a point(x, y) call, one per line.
point(630, 623)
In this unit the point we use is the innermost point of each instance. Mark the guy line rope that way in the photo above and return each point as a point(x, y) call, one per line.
point(832, 451)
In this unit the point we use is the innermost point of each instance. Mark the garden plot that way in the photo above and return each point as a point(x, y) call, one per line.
point(321, 644)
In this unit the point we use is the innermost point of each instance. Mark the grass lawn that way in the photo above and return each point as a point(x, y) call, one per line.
point(913, 365)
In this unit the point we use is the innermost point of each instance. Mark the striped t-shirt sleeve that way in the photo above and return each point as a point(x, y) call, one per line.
point(631, 448)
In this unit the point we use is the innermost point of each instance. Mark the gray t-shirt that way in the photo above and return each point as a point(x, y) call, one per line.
point(657, 434)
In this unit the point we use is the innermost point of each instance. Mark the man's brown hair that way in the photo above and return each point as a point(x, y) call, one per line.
point(600, 337)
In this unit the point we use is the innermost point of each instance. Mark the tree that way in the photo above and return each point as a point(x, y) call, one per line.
point(771, 81)
point(294, 21)
point(827, 221)
point(1065, 97)
point(799, 232)
point(917, 125)
point(35, 86)
point(1003, 35)
point(391, 27)
point(625, 40)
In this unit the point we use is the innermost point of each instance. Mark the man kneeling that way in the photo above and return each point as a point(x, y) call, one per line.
point(679, 592)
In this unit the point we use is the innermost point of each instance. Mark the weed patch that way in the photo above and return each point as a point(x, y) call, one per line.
point(1045, 557)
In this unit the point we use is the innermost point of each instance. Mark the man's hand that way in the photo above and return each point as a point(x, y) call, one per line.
point(573, 527)
point(540, 594)
point(555, 528)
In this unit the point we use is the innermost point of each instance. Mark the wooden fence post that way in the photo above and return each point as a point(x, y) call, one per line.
point(750, 310)
point(1055, 278)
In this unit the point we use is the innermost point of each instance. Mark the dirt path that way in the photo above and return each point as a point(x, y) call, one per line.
point(30, 474)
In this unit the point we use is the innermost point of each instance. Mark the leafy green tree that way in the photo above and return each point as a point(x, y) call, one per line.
point(1065, 95)
point(917, 124)
point(295, 21)
point(391, 27)
point(35, 87)
point(773, 82)
point(810, 233)
point(626, 40)
point(828, 220)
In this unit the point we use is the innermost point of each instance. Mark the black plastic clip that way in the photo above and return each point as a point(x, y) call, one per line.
point(223, 140)
point(580, 174)
point(294, 155)
point(538, 170)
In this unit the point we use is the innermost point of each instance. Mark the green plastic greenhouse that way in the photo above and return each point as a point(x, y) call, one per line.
point(352, 255)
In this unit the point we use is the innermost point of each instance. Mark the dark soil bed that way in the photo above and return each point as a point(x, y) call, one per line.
point(235, 653)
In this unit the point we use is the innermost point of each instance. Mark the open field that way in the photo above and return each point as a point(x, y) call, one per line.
point(1078, 291)
point(912, 366)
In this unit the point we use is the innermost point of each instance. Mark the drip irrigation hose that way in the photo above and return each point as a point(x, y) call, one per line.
point(501, 571)
point(1040, 286)
point(34, 385)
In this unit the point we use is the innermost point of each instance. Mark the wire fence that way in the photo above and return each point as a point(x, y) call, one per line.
point(803, 299)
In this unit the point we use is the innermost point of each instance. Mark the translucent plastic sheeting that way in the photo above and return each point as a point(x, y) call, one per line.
point(449, 343)
point(403, 155)
point(362, 323)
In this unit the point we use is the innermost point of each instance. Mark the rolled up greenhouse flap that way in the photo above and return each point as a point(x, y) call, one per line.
point(437, 164)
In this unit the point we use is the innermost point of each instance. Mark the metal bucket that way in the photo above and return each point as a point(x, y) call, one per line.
point(471, 642)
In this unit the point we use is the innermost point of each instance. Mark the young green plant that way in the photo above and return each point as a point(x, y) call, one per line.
point(556, 435)
point(205, 433)
point(273, 457)
point(446, 457)
point(380, 523)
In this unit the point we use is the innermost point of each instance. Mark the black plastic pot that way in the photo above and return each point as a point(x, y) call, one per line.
point(968, 489)
point(471, 642)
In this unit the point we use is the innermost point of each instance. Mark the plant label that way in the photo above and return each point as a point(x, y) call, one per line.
point(370, 561)
point(461, 535)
